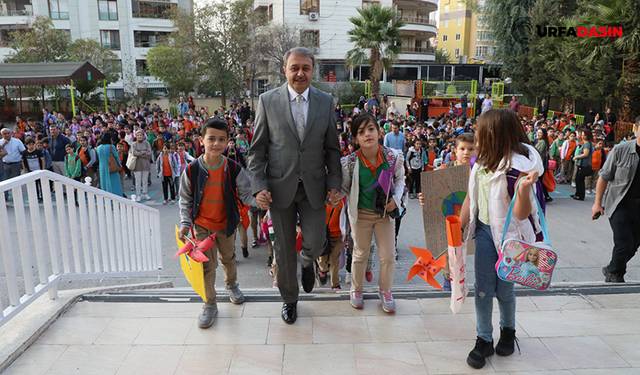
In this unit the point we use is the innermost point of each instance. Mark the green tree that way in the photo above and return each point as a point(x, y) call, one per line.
point(39, 42)
point(173, 67)
point(88, 49)
point(443, 56)
point(616, 13)
point(377, 40)
point(209, 44)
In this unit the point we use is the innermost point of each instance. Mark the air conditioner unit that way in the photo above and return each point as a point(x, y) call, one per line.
point(313, 16)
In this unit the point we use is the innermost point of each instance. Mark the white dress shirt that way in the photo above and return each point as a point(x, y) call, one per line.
point(294, 105)
point(14, 150)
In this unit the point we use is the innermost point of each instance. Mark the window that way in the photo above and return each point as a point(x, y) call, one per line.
point(459, 6)
point(369, 2)
point(310, 38)
point(484, 35)
point(59, 9)
point(309, 6)
point(118, 67)
point(107, 10)
point(110, 39)
point(457, 52)
point(481, 21)
point(446, 23)
point(141, 68)
point(459, 22)
point(444, 38)
point(146, 39)
point(152, 9)
point(457, 36)
point(446, 9)
point(485, 51)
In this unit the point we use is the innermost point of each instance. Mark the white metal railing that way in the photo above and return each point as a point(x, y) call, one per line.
point(86, 233)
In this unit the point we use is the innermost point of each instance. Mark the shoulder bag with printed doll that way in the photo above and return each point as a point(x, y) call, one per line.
point(523, 263)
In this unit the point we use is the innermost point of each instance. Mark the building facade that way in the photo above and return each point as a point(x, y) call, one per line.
point(127, 27)
point(328, 23)
point(463, 33)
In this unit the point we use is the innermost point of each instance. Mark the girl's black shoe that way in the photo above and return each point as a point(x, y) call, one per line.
point(506, 343)
point(477, 357)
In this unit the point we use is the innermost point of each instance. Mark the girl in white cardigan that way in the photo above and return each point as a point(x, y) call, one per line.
point(360, 173)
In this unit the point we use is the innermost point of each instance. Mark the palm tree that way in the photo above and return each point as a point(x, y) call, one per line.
point(376, 32)
point(617, 13)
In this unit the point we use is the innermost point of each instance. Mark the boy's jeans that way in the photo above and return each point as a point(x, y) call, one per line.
point(488, 285)
point(223, 249)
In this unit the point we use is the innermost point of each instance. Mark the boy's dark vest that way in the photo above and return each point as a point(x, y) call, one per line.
point(198, 182)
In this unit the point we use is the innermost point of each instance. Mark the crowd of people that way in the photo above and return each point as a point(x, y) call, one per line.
point(307, 182)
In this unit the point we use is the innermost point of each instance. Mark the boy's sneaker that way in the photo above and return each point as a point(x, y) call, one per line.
point(209, 311)
point(356, 299)
point(587, 192)
point(146, 197)
point(337, 287)
point(235, 295)
point(133, 188)
point(388, 304)
point(446, 286)
point(573, 184)
point(322, 278)
point(270, 261)
point(505, 346)
point(172, 201)
point(164, 202)
point(368, 275)
point(477, 357)
point(254, 244)
point(138, 198)
point(347, 278)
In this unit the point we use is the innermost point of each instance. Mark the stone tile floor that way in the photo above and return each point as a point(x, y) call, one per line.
point(559, 335)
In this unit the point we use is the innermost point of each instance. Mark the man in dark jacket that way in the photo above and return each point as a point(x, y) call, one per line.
point(543, 109)
point(57, 143)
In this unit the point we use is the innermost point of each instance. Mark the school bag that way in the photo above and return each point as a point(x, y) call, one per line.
point(515, 264)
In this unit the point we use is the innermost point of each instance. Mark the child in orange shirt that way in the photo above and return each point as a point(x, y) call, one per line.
point(331, 262)
point(166, 167)
point(430, 154)
point(213, 189)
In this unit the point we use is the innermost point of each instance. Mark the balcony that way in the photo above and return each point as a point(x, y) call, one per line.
point(419, 26)
point(16, 13)
point(422, 5)
point(417, 53)
point(16, 8)
point(111, 46)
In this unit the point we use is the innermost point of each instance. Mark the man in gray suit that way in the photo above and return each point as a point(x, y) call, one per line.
point(294, 161)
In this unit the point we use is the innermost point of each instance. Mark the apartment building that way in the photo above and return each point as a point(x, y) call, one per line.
point(463, 33)
point(127, 27)
point(327, 22)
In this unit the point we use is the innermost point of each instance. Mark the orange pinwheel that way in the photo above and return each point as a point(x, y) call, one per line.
point(426, 266)
point(195, 249)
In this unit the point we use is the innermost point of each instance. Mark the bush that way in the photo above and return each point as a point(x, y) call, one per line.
point(350, 92)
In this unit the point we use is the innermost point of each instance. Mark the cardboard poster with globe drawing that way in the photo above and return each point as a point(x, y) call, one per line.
point(444, 191)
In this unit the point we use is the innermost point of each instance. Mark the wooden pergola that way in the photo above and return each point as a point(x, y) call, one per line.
point(49, 74)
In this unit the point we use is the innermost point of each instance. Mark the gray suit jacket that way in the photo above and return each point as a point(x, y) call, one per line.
point(278, 159)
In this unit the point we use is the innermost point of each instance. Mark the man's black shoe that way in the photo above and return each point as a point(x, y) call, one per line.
point(477, 357)
point(270, 261)
point(245, 252)
point(289, 312)
point(611, 277)
point(308, 277)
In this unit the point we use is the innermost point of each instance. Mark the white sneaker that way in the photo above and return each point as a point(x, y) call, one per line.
point(388, 304)
point(146, 197)
point(573, 184)
point(587, 192)
point(347, 278)
point(138, 198)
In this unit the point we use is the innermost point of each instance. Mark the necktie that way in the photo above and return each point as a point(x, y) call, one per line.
point(299, 116)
